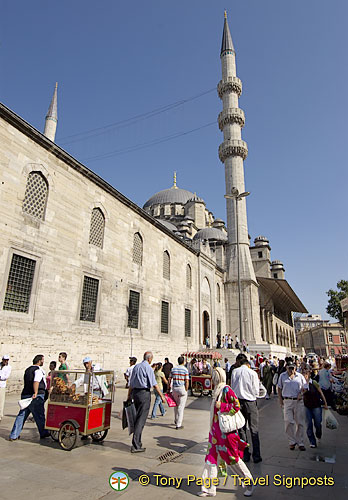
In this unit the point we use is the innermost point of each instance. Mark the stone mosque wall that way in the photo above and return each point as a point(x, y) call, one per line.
point(69, 272)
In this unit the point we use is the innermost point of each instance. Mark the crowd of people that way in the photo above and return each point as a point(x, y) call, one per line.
point(302, 385)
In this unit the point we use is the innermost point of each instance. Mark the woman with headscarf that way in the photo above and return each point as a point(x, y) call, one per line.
point(230, 447)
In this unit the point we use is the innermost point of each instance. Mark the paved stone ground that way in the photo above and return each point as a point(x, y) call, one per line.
point(30, 469)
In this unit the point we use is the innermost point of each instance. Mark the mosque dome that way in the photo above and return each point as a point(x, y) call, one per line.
point(171, 195)
point(210, 233)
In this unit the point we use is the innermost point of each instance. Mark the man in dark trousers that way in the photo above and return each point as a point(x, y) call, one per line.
point(34, 388)
point(166, 369)
point(142, 379)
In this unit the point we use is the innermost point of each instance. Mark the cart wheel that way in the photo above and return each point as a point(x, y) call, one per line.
point(197, 389)
point(67, 436)
point(54, 435)
point(98, 437)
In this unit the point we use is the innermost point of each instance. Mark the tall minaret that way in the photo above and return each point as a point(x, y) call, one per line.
point(52, 117)
point(232, 152)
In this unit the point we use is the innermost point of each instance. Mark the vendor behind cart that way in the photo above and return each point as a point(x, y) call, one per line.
point(98, 382)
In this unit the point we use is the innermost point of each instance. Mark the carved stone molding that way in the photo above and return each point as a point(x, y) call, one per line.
point(230, 84)
point(233, 147)
point(230, 116)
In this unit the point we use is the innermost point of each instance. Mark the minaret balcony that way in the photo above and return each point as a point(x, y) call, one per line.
point(230, 116)
point(230, 84)
point(233, 147)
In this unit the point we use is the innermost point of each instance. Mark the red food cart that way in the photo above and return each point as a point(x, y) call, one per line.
point(79, 403)
point(201, 383)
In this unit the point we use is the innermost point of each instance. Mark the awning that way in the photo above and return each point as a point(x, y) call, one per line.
point(282, 295)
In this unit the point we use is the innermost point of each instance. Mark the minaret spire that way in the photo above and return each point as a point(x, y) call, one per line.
point(174, 184)
point(52, 117)
point(232, 153)
point(227, 44)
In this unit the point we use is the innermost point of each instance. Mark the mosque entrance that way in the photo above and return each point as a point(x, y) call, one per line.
point(206, 328)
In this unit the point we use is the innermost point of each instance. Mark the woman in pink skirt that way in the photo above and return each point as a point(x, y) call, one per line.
point(228, 447)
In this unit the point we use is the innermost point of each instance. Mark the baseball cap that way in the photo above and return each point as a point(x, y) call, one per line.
point(87, 359)
point(132, 358)
point(6, 356)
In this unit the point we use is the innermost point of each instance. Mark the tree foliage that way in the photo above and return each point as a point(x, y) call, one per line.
point(334, 308)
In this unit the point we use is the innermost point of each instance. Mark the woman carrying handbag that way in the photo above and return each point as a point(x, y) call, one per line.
point(227, 446)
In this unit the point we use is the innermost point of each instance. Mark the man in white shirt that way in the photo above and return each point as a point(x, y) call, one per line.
point(290, 387)
point(128, 372)
point(34, 388)
point(98, 382)
point(245, 383)
point(5, 372)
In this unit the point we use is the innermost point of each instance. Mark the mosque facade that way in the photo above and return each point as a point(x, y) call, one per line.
point(85, 270)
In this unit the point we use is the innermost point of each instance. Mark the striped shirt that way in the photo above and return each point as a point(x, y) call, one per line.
point(179, 375)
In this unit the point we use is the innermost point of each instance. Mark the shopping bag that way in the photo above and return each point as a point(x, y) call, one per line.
point(128, 416)
point(330, 421)
point(262, 391)
point(170, 400)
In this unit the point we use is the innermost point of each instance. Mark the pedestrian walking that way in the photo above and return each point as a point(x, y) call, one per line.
point(5, 372)
point(128, 372)
point(140, 384)
point(227, 447)
point(290, 387)
point(179, 381)
point(245, 383)
point(166, 369)
point(34, 389)
point(227, 367)
point(313, 397)
point(160, 378)
point(267, 378)
point(325, 382)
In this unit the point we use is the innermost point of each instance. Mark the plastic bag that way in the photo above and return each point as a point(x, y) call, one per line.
point(330, 421)
point(128, 416)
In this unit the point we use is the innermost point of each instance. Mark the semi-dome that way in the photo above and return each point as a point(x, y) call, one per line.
point(171, 195)
point(210, 233)
point(167, 224)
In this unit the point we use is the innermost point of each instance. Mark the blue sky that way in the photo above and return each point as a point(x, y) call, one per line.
point(118, 60)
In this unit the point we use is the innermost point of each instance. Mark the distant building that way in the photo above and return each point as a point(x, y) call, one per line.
point(308, 321)
point(327, 339)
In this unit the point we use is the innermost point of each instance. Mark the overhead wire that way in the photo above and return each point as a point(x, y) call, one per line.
point(144, 145)
point(81, 136)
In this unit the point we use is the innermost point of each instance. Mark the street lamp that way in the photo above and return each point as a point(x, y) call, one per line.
point(236, 196)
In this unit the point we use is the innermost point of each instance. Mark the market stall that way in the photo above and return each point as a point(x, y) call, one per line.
point(201, 383)
point(79, 403)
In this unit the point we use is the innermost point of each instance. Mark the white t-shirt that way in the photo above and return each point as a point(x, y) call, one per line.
point(5, 372)
point(128, 372)
point(40, 375)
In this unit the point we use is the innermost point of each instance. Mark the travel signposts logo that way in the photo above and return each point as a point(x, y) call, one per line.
point(119, 480)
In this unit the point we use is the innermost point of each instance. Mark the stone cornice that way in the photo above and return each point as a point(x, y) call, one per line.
point(230, 84)
point(29, 131)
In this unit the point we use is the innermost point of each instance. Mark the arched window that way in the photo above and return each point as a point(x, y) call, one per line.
point(166, 265)
point(96, 233)
point(188, 276)
point(36, 193)
point(138, 249)
point(218, 292)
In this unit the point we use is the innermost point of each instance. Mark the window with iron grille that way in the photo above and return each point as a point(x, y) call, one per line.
point(218, 326)
point(35, 197)
point(329, 335)
point(133, 309)
point(166, 265)
point(342, 337)
point(138, 249)
point(165, 317)
point(89, 299)
point(187, 322)
point(218, 292)
point(96, 233)
point(188, 276)
point(19, 284)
